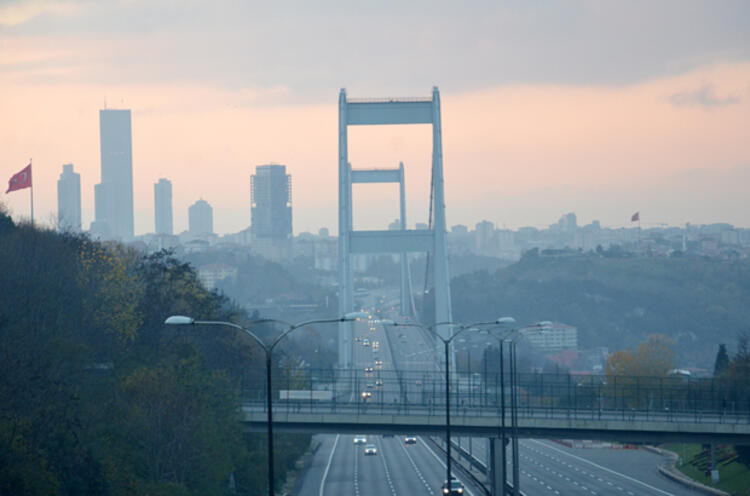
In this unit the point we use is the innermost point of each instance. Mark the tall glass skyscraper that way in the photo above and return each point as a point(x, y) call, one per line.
point(271, 203)
point(69, 200)
point(163, 207)
point(114, 195)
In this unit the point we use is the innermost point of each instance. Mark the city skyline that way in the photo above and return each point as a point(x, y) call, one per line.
point(533, 125)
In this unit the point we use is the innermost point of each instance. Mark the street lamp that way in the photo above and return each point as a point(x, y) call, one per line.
point(268, 349)
point(446, 343)
point(509, 336)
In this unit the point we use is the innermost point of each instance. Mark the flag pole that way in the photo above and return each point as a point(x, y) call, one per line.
point(31, 192)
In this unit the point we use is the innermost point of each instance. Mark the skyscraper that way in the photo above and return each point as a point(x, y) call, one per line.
point(200, 218)
point(69, 200)
point(271, 203)
point(163, 207)
point(114, 195)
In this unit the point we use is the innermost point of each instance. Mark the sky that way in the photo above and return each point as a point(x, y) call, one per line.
point(602, 108)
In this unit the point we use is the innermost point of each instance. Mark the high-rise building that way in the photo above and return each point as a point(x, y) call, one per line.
point(69, 200)
point(271, 203)
point(163, 207)
point(114, 194)
point(200, 218)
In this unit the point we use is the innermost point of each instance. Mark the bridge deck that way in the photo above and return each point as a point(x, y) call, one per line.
point(623, 426)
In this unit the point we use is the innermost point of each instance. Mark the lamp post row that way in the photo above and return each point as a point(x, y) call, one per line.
point(268, 350)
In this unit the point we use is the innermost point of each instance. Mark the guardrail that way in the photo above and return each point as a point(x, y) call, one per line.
point(539, 395)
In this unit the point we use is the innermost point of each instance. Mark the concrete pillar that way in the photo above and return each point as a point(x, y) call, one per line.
point(497, 465)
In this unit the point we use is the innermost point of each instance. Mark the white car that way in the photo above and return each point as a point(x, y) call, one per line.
point(410, 440)
point(360, 439)
point(370, 449)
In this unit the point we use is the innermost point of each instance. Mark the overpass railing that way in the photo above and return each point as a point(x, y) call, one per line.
point(538, 395)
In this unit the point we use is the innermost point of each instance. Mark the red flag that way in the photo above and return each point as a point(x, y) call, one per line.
point(636, 216)
point(20, 180)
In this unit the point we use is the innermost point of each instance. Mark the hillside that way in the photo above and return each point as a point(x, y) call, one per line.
point(617, 302)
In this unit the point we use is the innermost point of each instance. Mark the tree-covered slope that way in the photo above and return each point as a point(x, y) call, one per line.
point(618, 302)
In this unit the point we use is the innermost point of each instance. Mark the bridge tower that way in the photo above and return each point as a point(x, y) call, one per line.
point(390, 111)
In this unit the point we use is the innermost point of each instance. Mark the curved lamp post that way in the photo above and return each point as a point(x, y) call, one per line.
point(446, 343)
point(268, 349)
point(509, 337)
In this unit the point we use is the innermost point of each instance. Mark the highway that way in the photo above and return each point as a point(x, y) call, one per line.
point(340, 467)
point(547, 468)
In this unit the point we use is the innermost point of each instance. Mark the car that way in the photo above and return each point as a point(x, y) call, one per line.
point(368, 370)
point(410, 440)
point(454, 489)
point(379, 383)
point(365, 342)
point(366, 395)
point(379, 363)
point(371, 449)
point(360, 439)
point(369, 385)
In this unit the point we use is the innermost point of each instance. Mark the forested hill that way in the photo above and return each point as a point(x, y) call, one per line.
point(98, 396)
point(617, 302)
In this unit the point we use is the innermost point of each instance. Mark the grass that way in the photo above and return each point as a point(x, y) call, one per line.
point(734, 477)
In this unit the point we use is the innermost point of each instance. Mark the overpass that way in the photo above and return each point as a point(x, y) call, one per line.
point(626, 409)
point(624, 426)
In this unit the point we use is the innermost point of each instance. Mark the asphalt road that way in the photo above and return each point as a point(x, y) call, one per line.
point(547, 468)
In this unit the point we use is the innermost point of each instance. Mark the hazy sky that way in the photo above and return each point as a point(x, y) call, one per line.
point(601, 108)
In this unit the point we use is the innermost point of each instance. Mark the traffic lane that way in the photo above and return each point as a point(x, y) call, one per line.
point(632, 470)
point(337, 477)
point(372, 476)
point(313, 475)
point(431, 464)
point(538, 477)
point(544, 475)
point(407, 478)
point(638, 464)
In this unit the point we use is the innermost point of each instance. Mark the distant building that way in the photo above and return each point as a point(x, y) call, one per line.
point(200, 219)
point(163, 207)
point(551, 337)
point(69, 200)
point(271, 212)
point(114, 194)
point(486, 242)
point(271, 203)
point(211, 274)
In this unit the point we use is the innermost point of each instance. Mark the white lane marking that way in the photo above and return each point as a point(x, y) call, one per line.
point(603, 468)
point(466, 489)
point(387, 472)
point(328, 466)
point(416, 469)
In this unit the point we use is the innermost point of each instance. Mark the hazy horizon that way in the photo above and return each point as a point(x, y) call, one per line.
point(598, 109)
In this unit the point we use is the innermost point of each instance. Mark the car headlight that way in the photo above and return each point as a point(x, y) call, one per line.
point(445, 491)
point(460, 490)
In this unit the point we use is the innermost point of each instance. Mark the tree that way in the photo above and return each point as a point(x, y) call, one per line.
point(722, 360)
point(655, 357)
point(652, 358)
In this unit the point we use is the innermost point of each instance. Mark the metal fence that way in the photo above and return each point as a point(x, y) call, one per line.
point(550, 395)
